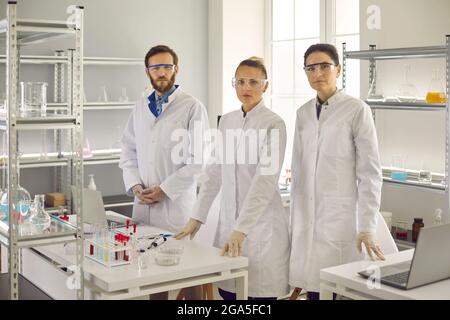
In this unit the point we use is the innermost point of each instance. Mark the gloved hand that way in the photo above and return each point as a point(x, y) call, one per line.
point(191, 229)
point(370, 242)
point(234, 245)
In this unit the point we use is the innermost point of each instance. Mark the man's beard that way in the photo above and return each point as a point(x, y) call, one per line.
point(164, 87)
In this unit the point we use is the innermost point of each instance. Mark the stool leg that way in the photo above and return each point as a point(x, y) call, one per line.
point(180, 295)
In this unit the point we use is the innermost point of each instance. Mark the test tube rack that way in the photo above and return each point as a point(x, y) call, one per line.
point(108, 251)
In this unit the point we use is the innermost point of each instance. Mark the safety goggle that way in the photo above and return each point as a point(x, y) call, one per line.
point(248, 82)
point(325, 67)
point(163, 66)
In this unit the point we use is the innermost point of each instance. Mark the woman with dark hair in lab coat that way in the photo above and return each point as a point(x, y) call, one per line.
point(252, 220)
point(336, 176)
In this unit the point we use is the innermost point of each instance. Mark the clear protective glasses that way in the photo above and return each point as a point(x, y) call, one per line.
point(248, 82)
point(153, 68)
point(324, 67)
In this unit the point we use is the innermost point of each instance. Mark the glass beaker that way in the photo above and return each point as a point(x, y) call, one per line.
point(398, 171)
point(33, 99)
point(436, 92)
point(401, 230)
point(39, 217)
point(425, 174)
point(407, 92)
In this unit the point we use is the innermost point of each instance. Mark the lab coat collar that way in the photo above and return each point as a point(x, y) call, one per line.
point(255, 110)
point(332, 100)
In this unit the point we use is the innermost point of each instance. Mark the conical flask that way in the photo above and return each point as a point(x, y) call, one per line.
point(407, 92)
point(436, 92)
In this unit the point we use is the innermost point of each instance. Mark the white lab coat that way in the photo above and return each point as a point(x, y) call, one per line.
point(336, 186)
point(251, 203)
point(146, 158)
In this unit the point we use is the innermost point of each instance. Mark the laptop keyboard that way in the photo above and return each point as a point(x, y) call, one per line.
point(399, 278)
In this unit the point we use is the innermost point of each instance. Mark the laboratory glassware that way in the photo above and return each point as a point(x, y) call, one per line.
point(398, 171)
point(407, 92)
point(401, 231)
point(43, 154)
point(39, 218)
point(436, 92)
point(437, 216)
point(23, 197)
point(33, 100)
point(103, 96)
point(92, 184)
point(87, 153)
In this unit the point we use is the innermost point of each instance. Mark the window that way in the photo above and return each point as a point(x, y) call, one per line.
point(295, 25)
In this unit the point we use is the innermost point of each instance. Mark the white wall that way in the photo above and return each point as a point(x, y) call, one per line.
point(116, 28)
point(236, 32)
point(419, 135)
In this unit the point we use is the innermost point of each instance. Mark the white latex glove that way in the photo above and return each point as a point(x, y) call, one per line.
point(234, 245)
point(191, 229)
point(370, 242)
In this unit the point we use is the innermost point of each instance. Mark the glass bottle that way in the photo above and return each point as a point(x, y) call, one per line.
point(39, 218)
point(418, 223)
point(436, 92)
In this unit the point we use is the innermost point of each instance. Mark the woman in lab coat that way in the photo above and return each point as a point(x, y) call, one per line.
point(336, 176)
point(252, 220)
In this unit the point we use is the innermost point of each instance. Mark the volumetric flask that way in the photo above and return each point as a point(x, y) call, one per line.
point(33, 100)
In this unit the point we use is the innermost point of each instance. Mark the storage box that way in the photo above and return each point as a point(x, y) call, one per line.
point(55, 199)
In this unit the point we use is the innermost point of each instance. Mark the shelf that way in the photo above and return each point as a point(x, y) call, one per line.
point(59, 231)
point(34, 31)
point(412, 181)
point(91, 106)
point(34, 161)
point(38, 59)
point(113, 61)
point(414, 106)
point(399, 53)
point(39, 123)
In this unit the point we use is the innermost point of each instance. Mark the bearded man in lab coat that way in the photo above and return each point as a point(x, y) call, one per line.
point(336, 176)
point(162, 181)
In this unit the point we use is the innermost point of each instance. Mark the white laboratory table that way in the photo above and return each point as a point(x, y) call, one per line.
point(344, 280)
point(200, 264)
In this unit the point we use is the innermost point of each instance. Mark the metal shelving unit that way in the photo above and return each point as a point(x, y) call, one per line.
point(440, 182)
point(17, 33)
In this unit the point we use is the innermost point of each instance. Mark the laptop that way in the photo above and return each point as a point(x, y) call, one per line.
point(430, 263)
point(94, 209)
